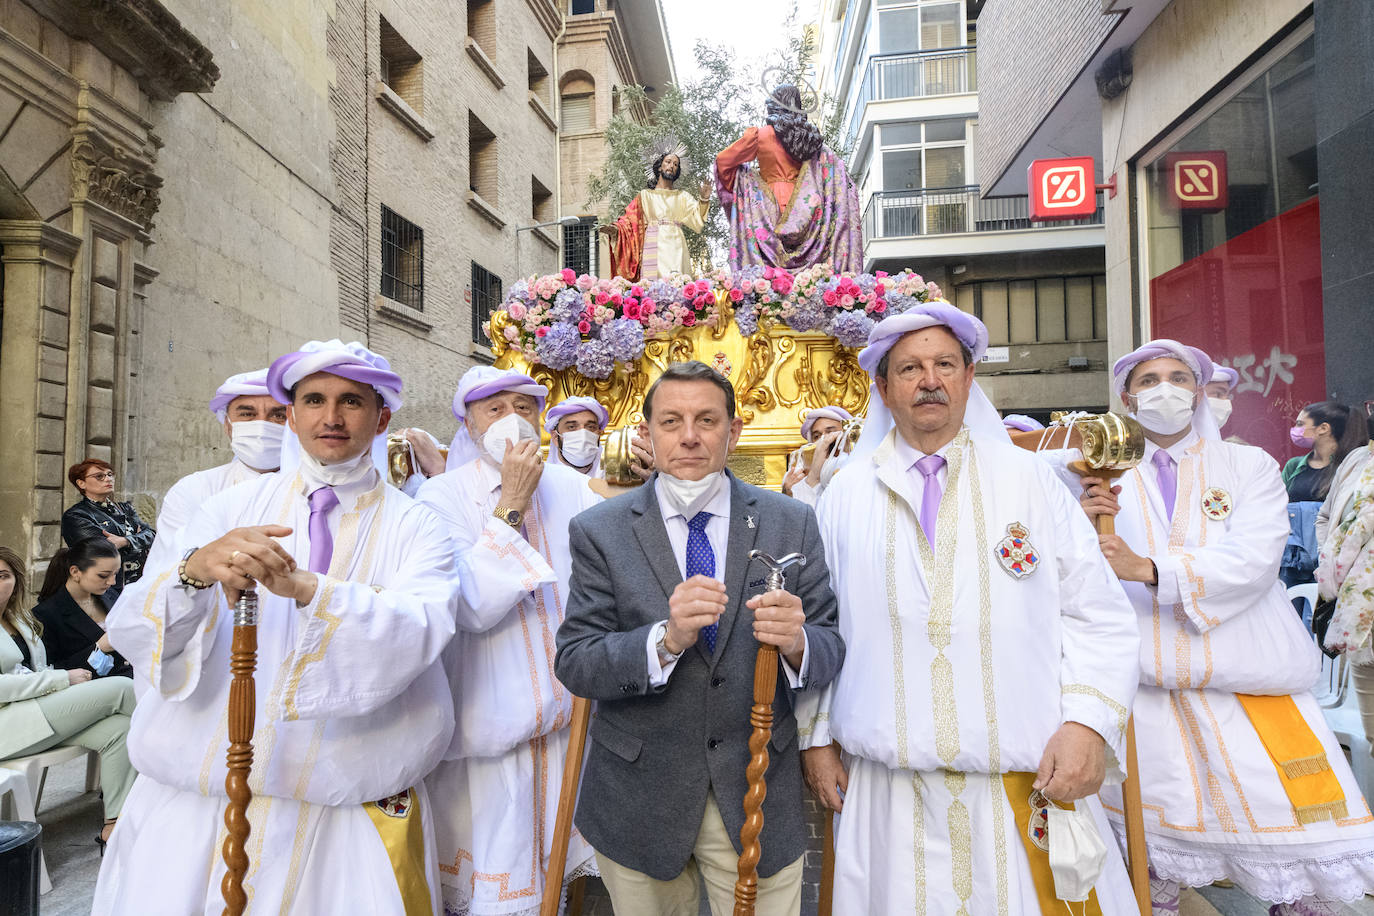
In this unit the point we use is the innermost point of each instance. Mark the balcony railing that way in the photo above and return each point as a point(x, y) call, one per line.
point(946, 211)
point(949, 71)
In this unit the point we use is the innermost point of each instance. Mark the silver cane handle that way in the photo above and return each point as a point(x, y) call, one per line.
point(777, 568)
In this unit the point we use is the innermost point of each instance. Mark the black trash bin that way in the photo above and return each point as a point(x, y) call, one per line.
point(20, 844)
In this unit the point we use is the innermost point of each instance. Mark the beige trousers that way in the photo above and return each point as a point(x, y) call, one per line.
point(94, 715)
point(1362, 679)
point(714, 858)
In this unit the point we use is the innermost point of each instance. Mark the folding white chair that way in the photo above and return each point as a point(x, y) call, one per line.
point(35, 767)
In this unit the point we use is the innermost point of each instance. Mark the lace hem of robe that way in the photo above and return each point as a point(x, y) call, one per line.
point(587, 869)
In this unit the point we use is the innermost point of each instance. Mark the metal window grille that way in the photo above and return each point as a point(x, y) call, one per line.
point(403, 260)
point(579, 246)
point(486, 298)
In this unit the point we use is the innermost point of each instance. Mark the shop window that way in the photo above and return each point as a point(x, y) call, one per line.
point(1232, 244)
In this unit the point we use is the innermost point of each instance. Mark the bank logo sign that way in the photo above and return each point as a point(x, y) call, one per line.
point(1062, 188)
point(1197, 180)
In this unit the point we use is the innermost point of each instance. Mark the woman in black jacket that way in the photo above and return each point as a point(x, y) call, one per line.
point(98, 515)
point(72, 611)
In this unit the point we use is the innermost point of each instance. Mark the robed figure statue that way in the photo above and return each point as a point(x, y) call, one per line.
point(647, 242)
point(787, 195)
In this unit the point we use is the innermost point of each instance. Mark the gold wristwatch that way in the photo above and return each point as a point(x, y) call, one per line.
point(511, 517)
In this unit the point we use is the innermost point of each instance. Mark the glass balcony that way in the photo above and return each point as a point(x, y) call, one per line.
point(946, 211)
point(949, 71)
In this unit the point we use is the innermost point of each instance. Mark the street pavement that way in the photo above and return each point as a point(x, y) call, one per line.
point(71, 819)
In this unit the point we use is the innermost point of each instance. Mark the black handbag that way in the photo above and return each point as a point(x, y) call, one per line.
point(1321, 620)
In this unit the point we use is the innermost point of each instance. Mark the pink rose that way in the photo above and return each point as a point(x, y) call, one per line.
point(880, 274)
point(688, 320)
point(846, 301)
point(647, 306)
point(585, 282)
point(760, 286)
point(516, 311)
point(736, 294)
point(781, 284)
point(879, 307)
point(615, 299)
point(602, 298)
point(569, 276)
point(768, 272)
point(510, 333)
point(829, 297)
point(541, 332)
point(637, 292)
point(584, 326)
point(632, 310)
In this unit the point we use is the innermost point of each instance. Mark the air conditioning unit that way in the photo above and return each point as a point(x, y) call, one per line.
point(1078, 364)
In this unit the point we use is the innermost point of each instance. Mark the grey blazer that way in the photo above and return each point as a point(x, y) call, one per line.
point(655, 753)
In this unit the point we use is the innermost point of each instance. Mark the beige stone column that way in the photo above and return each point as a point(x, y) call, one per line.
point(34, 340)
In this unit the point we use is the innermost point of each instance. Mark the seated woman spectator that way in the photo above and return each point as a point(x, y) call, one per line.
point(98, 515)
point(43, 707)
point(72, 612)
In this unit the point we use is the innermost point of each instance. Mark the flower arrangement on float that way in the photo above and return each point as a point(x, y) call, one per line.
point(565, 321)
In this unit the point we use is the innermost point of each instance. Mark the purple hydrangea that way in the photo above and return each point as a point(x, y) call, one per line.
point(558, 349)
point(851, 327)
point(521, 291)
point(625, 337)
point(662, 292)
point(594, 359)
point(808, 315)
point(899, 302)
point(747, 317)
point(567, 305)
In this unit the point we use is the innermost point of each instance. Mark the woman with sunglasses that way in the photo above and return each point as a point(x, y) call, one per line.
point(97, 514)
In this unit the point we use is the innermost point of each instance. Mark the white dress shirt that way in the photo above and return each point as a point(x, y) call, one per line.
point(718, 534)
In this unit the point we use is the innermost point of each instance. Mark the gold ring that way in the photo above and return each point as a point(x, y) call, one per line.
point(234, 554)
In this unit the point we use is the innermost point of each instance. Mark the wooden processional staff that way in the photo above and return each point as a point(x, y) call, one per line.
point(1112, 444)
point(761, 718)
point(243, 660)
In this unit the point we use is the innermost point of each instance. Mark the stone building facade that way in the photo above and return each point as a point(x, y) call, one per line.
point(188, 189)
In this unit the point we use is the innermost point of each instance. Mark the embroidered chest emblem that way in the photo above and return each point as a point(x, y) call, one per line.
point(1038, 827)
point(1016, 553)
point(397, 805)
point(1216, 504)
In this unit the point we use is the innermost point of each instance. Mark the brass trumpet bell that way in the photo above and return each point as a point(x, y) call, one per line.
point(1111, 441)
point(806, 453)
point(400, 458)
point(617, 456)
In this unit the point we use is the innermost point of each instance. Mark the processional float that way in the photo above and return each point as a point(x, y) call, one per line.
point(1111, 445)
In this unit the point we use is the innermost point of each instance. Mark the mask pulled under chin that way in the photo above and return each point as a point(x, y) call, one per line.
point(257, 443)
point(688, 496)
point(1165, 409)
point(513, 427)
point(354, 470)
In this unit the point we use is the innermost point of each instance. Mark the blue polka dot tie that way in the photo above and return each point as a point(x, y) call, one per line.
point(701, 561)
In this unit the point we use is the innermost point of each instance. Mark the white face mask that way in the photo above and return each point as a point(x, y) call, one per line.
point(513, 427)
point(688, 496)
point(1165, 409)
point(337, 475)
point(257, 443)
point(1221, 410)
point(1077, 853)
point(580, 447)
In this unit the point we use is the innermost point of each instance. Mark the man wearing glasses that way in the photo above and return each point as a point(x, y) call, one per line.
point(98, 515)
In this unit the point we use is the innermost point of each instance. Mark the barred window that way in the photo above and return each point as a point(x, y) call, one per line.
point(403, 260)
point(579, 246)
point(486, 298)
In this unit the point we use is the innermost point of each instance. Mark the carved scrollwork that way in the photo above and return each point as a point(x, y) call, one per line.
point(836, 378)
point(114, 181)
point(752, 390)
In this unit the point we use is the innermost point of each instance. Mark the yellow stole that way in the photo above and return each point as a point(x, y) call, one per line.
point(1019, 789)
point(397, 820)
point(1298, 756)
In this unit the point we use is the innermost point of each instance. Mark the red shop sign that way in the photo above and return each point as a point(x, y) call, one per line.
point(1062, 188)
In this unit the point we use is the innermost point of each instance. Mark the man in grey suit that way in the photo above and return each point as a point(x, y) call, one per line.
point(660, 633)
